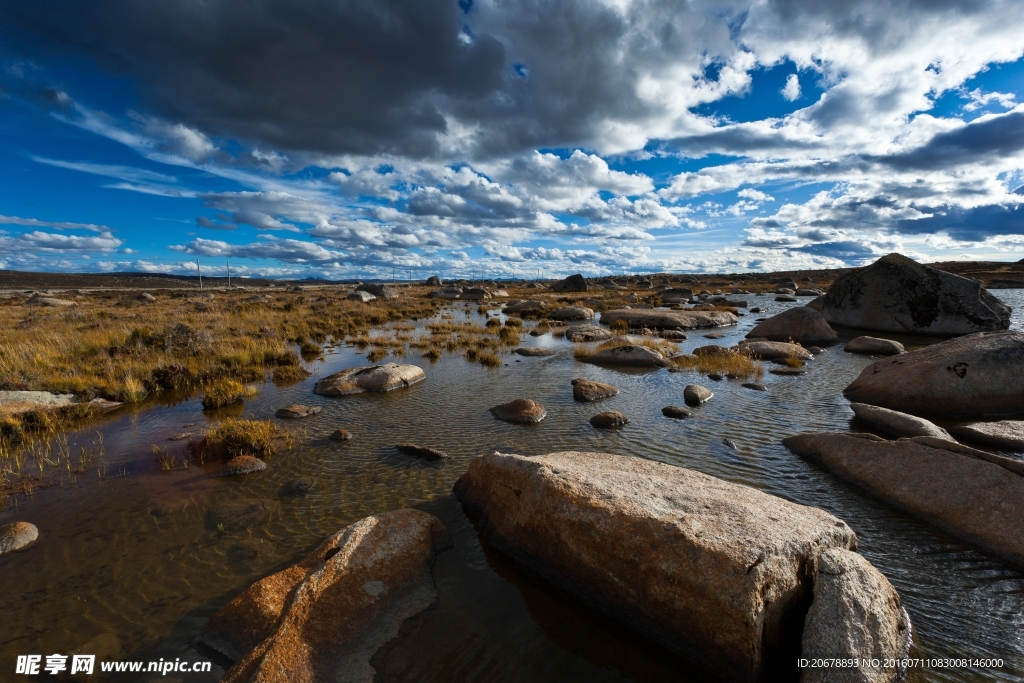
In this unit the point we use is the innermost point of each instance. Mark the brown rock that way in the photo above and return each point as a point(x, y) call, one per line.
point(573, 283)
point(711, 569)
point(1007, 435)
point(534, 351)
point(675, 412)
point(572, 313)
point(323, 618)
point(874, 346)
point(589, 390)
point(239, 465)
point(895, 423)
point(520, 411)
point(587, 332)
point(711, 350)
point(695, 394)
point(973, 376)
point(975, 500)
point(16, 536)
point(627, 354)
point(420, 451)
point(856, 615)
point(378, 378)
point(341, 435)
point(769, 350)
point(297, 410)
point(799, 324)
point(609, 420)
point(673, 320)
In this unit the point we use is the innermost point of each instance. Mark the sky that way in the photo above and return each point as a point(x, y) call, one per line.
point(508, 138)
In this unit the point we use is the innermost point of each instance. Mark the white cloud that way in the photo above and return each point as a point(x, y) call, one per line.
point(791, 91)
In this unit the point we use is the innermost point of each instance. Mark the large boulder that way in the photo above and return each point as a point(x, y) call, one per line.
point(12, 402)
point(527, 307)
point(572, 313)
point(799, 324)
point(769, 350)
point(711, 569)
point(971, 376)
point(856, 616)
point(360, 295)
point(947, 485)
point(874, 346)
point(447, 293)
point(1007, 435)
point(628, 354)
point(672, 320)
point(895, 423)
point(433, 281)
point(323, 618)
point(573, 283)
point(380, 291)
point(378, 378)
point(897, 294)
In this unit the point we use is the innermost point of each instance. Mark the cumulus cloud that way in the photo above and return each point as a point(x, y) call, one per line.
point(791, 91)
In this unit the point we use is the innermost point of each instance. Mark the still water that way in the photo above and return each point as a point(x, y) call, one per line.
point(138, 553)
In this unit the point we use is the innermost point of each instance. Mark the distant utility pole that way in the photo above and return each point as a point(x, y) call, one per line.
point(200, 275)
point(229, 273)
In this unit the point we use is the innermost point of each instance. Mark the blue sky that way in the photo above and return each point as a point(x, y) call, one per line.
point(346, 139)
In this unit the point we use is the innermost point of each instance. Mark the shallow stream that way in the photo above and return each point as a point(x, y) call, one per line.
point(139, 554)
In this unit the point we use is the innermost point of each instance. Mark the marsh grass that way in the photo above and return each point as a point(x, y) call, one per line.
point(225, 392)
point(662, 346)
point(733, 364)
point(234, 437)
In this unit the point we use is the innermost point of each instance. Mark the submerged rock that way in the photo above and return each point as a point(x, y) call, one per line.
point(609, 420)
point(238, 516)
point(1007, 435)
point(755, 386)
point(239, 465)
point(591, 390)
point(895, 423)
point(378, 378)
point(973, 376)
point(571, 313)
point(297, 410)
point(298, 487)
point(520, 411)
point(977, 500)
point(420, 451)
point(695, 394)
point(587, 333)
point(16, 536)
point(628, 354)
point(323, 618)
point(341, 435)
point(897, 294)
point(856, 616)
point(534, 351)
point(711, 569)
point(874, 346)
point(799, 324)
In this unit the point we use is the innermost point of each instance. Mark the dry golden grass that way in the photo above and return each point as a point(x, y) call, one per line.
point(225, 392)
point(662, 346)
point(231, 438)
point(731, 364)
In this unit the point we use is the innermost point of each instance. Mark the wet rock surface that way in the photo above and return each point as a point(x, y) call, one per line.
point(897, 294)
point(239, 465)
point(895, 423)
point(711, 569)
point(341, 435)
point(769, 350)
point(231, 517)
point(944, 484)
point(695, 395)
point(520, 411)
point(609, 420)
point(676, 412)
point(420, 451)
point(297, 410)
point(591, 390)
point(971, 376)
point(379, 378)
point(16, 536)
point(323, 618)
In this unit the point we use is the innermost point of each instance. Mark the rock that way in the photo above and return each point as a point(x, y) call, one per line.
point(104, 647)
point(789, 298)
point(895, 423)
point(675, 412)
point(807, 291)
point(874, 346)
point(239, 465)
point(673, 335)
point(181, 437)
point(710, 569)
point(37, 300)
point(713, 335)
point(145, 296)
point(360, 295)
point(379, 378)
point(447, 293)
point(587, 332)
point(817, 304)
point(856, 616)
point(16, 536)
point(297, 410)
point(520, 411)
point(897, 294)
point(573, 283)
point(815, 350)
point(571, 313)
point(323, 618)
point(341, 435)
point(756, 309)
point(695, 394)
point(609, 420)
point(534, 351)
point(298, 487)
point(972, 376)
point(433, 281)
point(1007, 435)
point(104, 405)
point(787, 372)
point(683, 293)
point(942, 483)
point(237, 516)
point(675, 320)
point(769, 350)
point(627, 354)
point(380, 291)
point(755, 386)
point(730, 444)
point(475, 294)
point(420, 451)
point(527, 307)
point(13, 402)
point(785, 290)
point(798, 324)
point(711, 350)
point(590, 390)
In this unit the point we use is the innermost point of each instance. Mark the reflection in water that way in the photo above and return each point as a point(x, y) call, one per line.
point(149, 555)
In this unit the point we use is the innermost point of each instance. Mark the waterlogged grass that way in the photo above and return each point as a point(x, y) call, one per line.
point(225, 392)
point(732, 364)
point(662, 346)
point(235, 437)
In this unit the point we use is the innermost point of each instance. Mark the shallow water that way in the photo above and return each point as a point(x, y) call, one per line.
point(138, 553)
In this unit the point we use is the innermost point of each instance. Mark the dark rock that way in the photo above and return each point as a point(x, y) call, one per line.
point(380, 291)
point(609, 420)
point(1007, 435)
point(237, 516)
point(675, 412)
point(298, 487)
point(573, 283)
point(297, 410)
point(341, 435)
point(755, 386)
point(895, 423)
point(799, 324)
point(589, 390)
point(874, 346)
point(520, 411)
point(695, 394)
point(787, 372)
point(897, 294)
point(534, 351)
point(420, 451)
point(788, 298)
point(433, 281)
point(239, 465)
